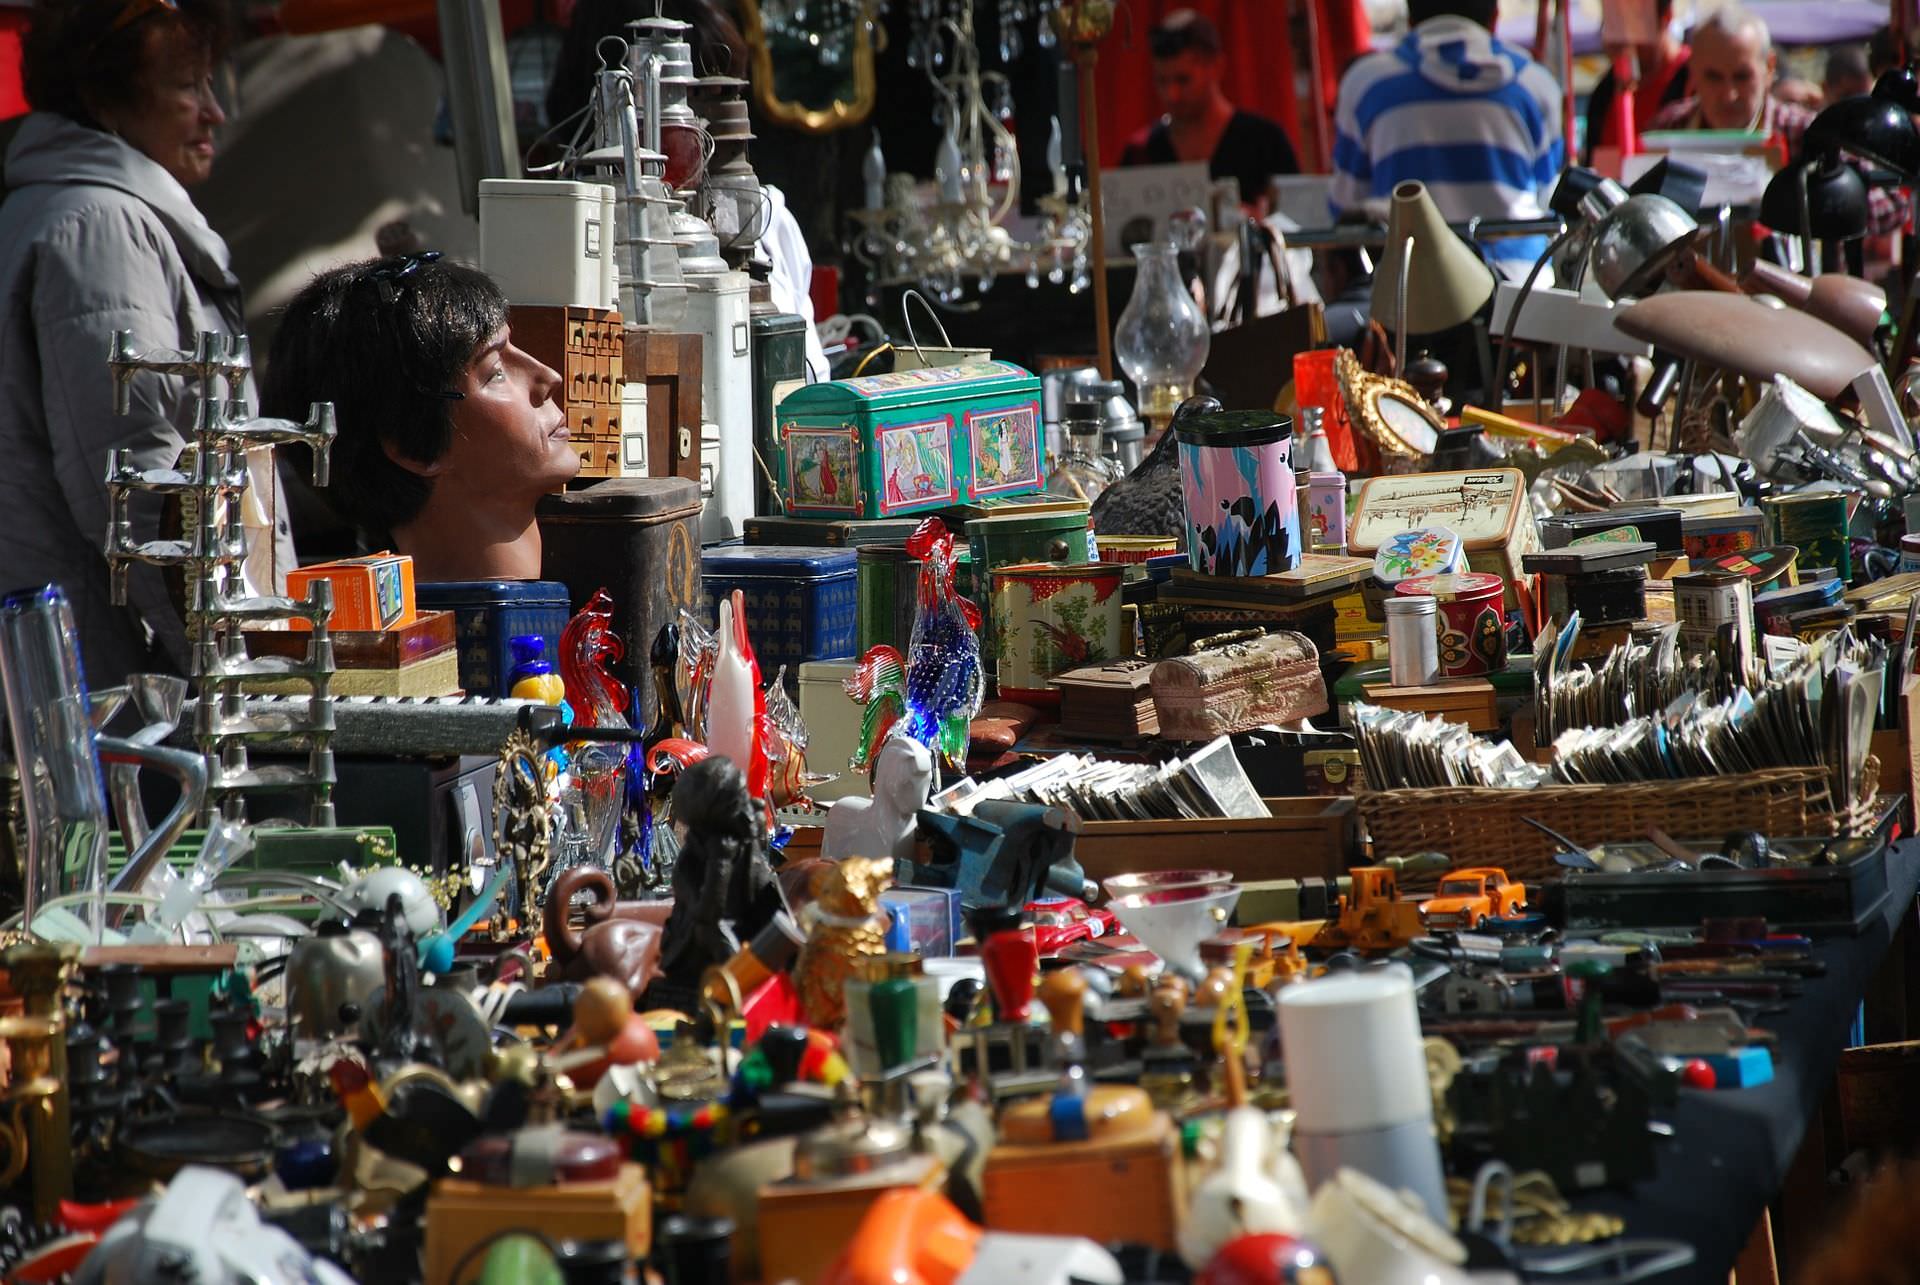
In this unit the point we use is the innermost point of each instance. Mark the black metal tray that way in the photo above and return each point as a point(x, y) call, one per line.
point(1814, 885)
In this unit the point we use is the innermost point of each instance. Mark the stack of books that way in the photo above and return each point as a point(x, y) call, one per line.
point(414, 659)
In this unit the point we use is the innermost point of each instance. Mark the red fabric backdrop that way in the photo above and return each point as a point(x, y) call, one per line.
point(1259, 55)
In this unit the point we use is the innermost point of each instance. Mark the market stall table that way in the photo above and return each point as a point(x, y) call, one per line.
point(1731, 1148)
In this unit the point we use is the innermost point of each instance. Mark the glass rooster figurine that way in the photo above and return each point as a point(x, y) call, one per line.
point(936, 689)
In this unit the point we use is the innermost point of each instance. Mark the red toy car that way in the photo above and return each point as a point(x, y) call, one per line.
point(1058, 922)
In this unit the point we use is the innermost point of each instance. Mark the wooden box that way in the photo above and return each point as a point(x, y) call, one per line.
point(1130, 1191)
point(911, 441)
point(671, 366)
point(1468, 701)
point(1896, 750)
point(1304, 838)
point(804, 1226)
point(1487, 508)
point(461, 1214)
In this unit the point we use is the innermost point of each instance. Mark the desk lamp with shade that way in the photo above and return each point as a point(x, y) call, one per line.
point(1428, 279)
point(1628, 241)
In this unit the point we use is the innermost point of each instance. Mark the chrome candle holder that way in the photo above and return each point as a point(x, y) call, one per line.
point(210, 492)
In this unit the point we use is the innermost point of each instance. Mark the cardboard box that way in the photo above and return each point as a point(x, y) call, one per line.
point(370, 593)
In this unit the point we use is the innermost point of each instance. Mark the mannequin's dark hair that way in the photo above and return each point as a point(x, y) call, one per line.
point(386, 341)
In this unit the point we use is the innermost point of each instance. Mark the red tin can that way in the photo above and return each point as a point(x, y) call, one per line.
point(1473, 631)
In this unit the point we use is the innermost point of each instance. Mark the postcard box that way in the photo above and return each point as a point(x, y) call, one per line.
point(884, 446)
point(1487, 508)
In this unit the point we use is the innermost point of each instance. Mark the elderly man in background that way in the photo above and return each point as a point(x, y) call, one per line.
point(1732, 75)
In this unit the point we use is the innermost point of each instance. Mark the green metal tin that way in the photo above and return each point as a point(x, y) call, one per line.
point(779, 368)
point(1816, 523)
point(889, 583)
point(1001, 539)
point(913, 441)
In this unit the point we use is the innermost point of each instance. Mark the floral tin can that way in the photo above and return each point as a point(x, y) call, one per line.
point(1469, 622)
point(1236, 476)
point(1050, 617)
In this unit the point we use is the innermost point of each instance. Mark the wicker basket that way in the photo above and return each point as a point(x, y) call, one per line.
point(1477, 827)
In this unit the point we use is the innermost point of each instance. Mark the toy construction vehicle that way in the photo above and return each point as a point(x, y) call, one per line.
point(1372, 916)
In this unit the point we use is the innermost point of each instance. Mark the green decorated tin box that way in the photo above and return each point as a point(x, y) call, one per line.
point(884, 446)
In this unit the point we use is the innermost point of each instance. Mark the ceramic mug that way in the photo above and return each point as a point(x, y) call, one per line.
point(1049, 617)
point(1373, 1234)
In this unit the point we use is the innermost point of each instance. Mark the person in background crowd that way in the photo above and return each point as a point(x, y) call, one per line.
point(449, 434)
point(98, 233)
point(1455, 108)
point(1201, 123)
point(1662, 68)
point(1883, 55)
point(1732, 74)
point(1732, 71)
point(1847, 74)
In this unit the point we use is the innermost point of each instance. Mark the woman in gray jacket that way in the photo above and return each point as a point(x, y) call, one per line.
point(98, 234)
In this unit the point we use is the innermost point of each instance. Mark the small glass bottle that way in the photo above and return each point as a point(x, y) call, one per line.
point(533, 677)
point(1084, 471)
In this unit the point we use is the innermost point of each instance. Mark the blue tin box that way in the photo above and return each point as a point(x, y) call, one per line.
point(489, 613)
point(802, 603)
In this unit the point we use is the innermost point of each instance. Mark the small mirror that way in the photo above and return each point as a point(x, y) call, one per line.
point(814, 79)
point(1389, 413)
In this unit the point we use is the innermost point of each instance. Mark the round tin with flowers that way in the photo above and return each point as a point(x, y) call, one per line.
point(1473, 632)
point(1050, 617)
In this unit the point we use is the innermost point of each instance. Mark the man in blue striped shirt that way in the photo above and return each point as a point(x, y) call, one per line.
point(1453, 107)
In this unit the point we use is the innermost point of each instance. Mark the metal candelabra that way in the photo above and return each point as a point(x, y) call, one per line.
point(210, 491)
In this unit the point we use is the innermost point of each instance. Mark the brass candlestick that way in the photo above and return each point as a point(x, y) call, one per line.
point(1082, 25)
point(36, 1127)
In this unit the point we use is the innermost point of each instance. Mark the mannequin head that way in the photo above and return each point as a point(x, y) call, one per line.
point(449, 434)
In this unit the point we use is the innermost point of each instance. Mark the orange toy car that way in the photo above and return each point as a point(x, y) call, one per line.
point(1466, 899)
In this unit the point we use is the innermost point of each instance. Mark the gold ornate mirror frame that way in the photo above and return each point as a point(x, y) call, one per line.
point(841, 113)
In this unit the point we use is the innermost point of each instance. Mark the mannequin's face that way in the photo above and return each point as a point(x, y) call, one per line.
point(509, 434)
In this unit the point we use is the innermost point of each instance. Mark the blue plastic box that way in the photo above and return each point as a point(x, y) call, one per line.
point(487, 614)
point(801, 602)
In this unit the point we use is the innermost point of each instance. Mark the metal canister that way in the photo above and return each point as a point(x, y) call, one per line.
point(1413, 640)
point(1003, 539)
point(1910, 552)
point(1328, 507)
point(1469, 625)
point(889, 581)
point(1815, 522)
point(1052, 617)
point(1135, 548)
point(1712, 605)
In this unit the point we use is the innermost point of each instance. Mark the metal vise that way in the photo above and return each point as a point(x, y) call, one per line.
point(1003, 854)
